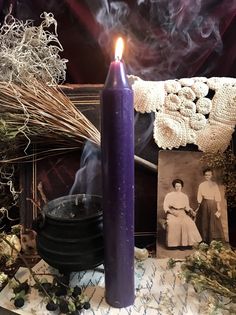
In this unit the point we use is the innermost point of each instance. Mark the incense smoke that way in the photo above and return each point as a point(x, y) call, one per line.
point(88, 177)
point(164, 39)
point(143, 125)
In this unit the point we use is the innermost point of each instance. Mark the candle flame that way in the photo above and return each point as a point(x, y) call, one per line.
point(119, 48)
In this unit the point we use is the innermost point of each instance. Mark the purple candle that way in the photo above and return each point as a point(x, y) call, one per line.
point(117, 139)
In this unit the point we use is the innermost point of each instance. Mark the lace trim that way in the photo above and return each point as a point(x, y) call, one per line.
point(189, 110)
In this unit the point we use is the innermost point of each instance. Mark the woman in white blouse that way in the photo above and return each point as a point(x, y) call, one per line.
point(181, 229)
point(208, 216)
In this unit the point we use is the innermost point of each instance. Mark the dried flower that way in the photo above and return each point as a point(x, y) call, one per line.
point(213, 268)
point(171, 263)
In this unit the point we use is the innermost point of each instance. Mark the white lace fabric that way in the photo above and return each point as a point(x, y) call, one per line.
point(194, 110)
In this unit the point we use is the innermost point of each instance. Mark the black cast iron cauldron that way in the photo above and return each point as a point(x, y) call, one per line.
point(70, 233)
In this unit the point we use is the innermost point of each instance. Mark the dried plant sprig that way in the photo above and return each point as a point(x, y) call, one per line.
point(29, 53)
point(42, 114)
point(212, 268)
point(4, 238)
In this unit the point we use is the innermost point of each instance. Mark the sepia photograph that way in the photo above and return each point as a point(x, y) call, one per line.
point(191, 205)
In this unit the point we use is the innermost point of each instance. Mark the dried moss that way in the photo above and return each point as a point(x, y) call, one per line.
point(29, 53)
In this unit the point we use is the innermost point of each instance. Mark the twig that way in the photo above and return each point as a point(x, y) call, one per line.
point(27, 265)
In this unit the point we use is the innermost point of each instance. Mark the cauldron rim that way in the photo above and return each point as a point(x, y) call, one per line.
point(71, 197)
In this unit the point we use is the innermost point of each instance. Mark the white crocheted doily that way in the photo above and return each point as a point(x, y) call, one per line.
point(189, 110)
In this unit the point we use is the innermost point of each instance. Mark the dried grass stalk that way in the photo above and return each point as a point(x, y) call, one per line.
point(43, 114)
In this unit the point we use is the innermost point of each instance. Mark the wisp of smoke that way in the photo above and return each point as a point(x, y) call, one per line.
point(164, 38)
point(88, 177)
point(143, 125)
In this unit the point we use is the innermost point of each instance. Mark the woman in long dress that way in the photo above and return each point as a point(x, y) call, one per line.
point(208, 216)
point(181, 229)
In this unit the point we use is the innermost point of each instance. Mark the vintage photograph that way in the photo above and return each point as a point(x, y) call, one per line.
point(191, 206)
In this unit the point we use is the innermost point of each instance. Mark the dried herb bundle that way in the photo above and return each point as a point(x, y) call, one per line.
point(213, 268)
point(42, 116)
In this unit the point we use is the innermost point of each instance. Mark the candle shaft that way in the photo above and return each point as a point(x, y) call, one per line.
point(117, 139)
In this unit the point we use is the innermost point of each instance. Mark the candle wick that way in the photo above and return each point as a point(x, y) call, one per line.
point(117, 58)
